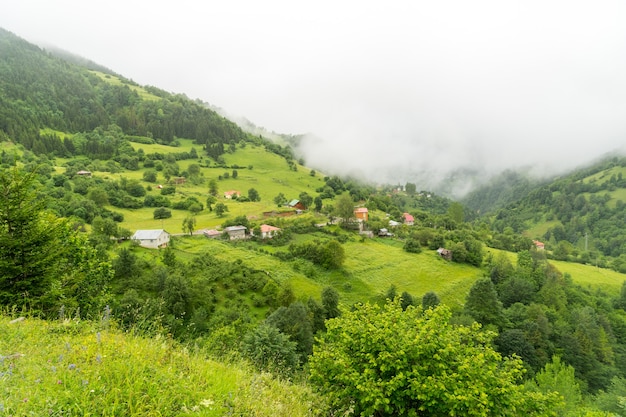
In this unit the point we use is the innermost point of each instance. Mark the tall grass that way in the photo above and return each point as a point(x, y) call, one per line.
point(77, 368)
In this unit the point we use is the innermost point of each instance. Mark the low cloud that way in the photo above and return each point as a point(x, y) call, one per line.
point(409, 91)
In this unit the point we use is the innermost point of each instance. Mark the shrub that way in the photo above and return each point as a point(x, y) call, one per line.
point(162, 213)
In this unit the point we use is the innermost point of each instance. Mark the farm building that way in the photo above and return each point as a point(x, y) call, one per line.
point(539, 245)
point(154, 239)
point(408, 219)
point(212, 233)
point(297, 204)
point(361, 213)
point(236, 232)
point(232, 194)
point(445, 253)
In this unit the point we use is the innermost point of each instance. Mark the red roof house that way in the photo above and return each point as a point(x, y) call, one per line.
point(232, 193)
point(408, 219)
point(267, 231)
point(361, 213)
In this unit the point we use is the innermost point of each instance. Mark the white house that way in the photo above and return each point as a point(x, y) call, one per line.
point(267, 231)
point(154, 239)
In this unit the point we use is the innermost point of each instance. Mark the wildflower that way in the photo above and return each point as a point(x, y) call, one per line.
point(84, 382)
point(53, 368)
point(207, 403)
point(71, 366)
point(98, 358)
point(98, 337)
point(59, 382)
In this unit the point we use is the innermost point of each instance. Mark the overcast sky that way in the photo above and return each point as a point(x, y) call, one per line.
point(388, 89)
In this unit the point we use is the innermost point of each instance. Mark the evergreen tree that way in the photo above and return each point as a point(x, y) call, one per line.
point(32, 241)
point(483, 305)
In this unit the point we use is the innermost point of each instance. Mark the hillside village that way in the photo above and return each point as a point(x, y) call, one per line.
point(156, 259)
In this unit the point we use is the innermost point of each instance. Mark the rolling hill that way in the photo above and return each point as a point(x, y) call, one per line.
point(97, 157)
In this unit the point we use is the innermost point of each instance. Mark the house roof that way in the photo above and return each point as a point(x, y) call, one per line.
point(267, 228)
point(148, 234)
point(360, 210)
point(293, 202)
point(212, 232)
point(408, 217)
point(231, 192)
point(234, 228)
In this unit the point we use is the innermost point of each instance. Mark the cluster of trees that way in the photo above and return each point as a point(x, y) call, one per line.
point(328, 254)
point(539, 312)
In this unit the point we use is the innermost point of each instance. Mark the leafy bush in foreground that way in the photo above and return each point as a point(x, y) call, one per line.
point(390, 362)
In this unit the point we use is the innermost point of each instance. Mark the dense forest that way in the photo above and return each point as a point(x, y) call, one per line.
point(527, 338)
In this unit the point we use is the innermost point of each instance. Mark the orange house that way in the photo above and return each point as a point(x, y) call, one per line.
point(361, 213)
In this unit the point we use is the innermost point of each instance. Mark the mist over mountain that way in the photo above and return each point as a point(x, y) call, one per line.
point(416, 91)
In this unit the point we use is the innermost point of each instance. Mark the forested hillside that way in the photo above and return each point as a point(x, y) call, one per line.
point(580, 217)
point(424, 307)
point(39, 90)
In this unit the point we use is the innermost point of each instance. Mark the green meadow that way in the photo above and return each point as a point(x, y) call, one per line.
point(585, 275)
point(113, 80)
point(75, 368)
point(372, 266)
point(266, 172)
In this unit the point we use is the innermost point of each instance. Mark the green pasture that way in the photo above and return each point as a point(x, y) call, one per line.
point(185, 145)
point(371, 268)
point(605, 175)
point(113, 80)
point(270, 175)
point(582, 274)
point(592, 276)
point(540, 229)
point(59, 133)
point(376, 266)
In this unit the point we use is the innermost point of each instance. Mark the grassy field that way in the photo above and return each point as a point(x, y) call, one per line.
point(372, 266)
point(112, 79)
point(584, 275)
point(72, 368)
point(591, 276)
point(270, 175)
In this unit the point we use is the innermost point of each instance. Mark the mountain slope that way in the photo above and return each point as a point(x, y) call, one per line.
point(581, 216)
point(39, 90)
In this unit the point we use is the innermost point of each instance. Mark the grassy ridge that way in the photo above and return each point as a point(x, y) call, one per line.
point(113, 80)
point(81, 368)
